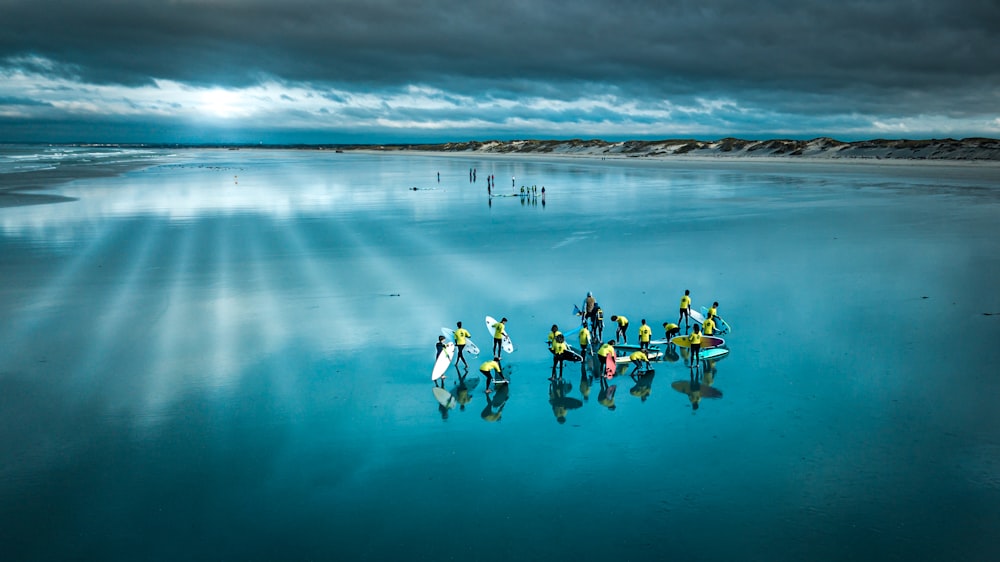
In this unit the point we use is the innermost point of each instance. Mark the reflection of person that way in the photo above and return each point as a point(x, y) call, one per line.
point(558, 350)
point(645, 334)
point(638, 358)
point(695, 339)
point(461, 392)
point(557, 399)
point(606, 397)
point(584, 381)
point(461, 334)
point(685, 309)
point(498, 329)
point(487, 369)
point(622, 329)
point(495, 404)
point(643, 385)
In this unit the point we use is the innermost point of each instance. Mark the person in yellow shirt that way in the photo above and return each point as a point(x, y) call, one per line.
point(584, 340)
point(622, 328)
point(695, 339)
point(638, 358)
point(669, 331)
point(708, 326)
point(645, 335)
point(602, 356)
point(685, 310)
point(461, 334)
point(498, 330)
point(553, 334)
point(487, 368)
point(558, 350)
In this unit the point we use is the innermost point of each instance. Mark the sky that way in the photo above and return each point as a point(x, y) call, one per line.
point(377, 71)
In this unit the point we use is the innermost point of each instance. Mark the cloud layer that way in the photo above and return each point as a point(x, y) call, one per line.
point(324, 71)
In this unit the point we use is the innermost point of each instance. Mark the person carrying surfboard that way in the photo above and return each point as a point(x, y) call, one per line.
point(645, 335)
point(461, 334)
point(685, 310)
point(553, 335)
point(487, 368)
point(440, 348)
point(622, 329)
point(498, 329)
point(558, 350)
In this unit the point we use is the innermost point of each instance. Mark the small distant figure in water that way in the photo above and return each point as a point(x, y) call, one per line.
point(543, 190)
point(439, 177)
point(512, 182)
point(685, 310)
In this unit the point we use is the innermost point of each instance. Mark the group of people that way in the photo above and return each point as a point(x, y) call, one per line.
point(590, 336)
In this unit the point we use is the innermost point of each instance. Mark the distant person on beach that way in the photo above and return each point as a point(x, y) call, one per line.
point(461, 334)
point(498, 329)
point(487, 368)
point(685, 310)
point(645, 335)
point(439, 177)
point(622, 330)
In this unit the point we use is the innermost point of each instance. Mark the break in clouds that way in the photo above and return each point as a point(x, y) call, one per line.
point(331, 71)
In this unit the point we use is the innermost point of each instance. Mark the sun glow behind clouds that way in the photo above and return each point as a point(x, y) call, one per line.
point(38, 89)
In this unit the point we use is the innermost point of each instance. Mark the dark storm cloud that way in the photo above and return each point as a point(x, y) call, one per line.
point(842, 54)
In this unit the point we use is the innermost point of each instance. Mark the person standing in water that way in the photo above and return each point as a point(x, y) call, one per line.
point(645, 335)
point(695, 340)
point(498, 331)
point(440, 349)
point(461, 334)
point(555, 333)
point(558, 350)
point(584, 340)
point(685, 310)
point(622, 328)
point(487, 368)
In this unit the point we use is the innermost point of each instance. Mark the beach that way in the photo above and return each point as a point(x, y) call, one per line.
point(214, 353)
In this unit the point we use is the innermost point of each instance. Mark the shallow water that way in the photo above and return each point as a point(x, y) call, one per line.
point(227, 356)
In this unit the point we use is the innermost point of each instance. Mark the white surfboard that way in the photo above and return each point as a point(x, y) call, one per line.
point(443, 361)
point(470, 346)
point(507, 345)
point(696, 316)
